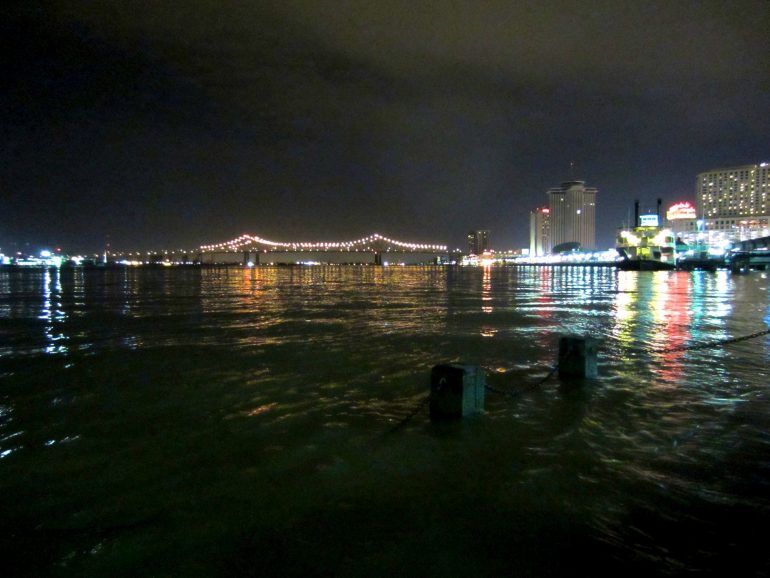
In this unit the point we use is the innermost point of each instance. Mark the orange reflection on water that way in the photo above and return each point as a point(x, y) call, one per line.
point(486, 299)
point(260, 409)
point(486, 289)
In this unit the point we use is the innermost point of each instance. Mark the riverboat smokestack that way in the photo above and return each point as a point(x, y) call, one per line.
point(636, 213)
point(660, 202)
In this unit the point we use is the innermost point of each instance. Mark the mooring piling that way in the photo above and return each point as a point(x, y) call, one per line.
point(456, 391)
point(577, 357)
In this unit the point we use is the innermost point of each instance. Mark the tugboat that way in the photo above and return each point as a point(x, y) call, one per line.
point(648, 246)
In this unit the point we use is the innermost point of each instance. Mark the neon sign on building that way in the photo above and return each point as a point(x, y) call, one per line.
point(680, 211)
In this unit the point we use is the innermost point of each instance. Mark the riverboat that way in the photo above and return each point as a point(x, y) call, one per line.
point(647, 247)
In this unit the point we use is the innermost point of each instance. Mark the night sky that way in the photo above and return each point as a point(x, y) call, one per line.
point(157, 124)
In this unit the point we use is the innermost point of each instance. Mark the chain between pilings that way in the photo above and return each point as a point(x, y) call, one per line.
point(516, 393)
point(423, 402)
point(713, 343)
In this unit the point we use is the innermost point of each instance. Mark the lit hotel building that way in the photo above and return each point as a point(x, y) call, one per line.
point(732, 204)
point(540, 232)
point(573, 214)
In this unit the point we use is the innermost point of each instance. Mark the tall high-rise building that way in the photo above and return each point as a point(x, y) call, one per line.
point(540, 232)
point(478, 242)
point(573, 214)
point(732, 204)
point(733, 192)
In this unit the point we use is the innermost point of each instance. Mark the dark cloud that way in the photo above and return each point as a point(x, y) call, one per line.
point(157, 123)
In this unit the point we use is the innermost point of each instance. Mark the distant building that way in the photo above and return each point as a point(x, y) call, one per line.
point(734, 192)
point(540, 232)
point(732, 204)
point(573, 214)
point(478, 242)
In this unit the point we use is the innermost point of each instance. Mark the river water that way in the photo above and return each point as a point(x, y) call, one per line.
point(243, 422)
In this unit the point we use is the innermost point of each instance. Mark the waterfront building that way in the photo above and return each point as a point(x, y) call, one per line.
point(732, 204)
point(478, 242)
point(734, 192)
point(573, 214)
point(540, 232)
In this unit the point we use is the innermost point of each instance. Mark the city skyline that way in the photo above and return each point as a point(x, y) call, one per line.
point(743, 184)
point(140, 125)
point(542, 240)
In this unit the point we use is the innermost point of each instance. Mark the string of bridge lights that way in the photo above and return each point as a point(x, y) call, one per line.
point(247, 240)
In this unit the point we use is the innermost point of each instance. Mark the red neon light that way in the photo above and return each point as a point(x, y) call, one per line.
point(680, 206)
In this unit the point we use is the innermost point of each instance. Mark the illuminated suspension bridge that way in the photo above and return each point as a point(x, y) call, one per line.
point(375, 249)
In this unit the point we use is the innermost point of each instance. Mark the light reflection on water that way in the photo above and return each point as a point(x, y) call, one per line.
point(254, 404)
